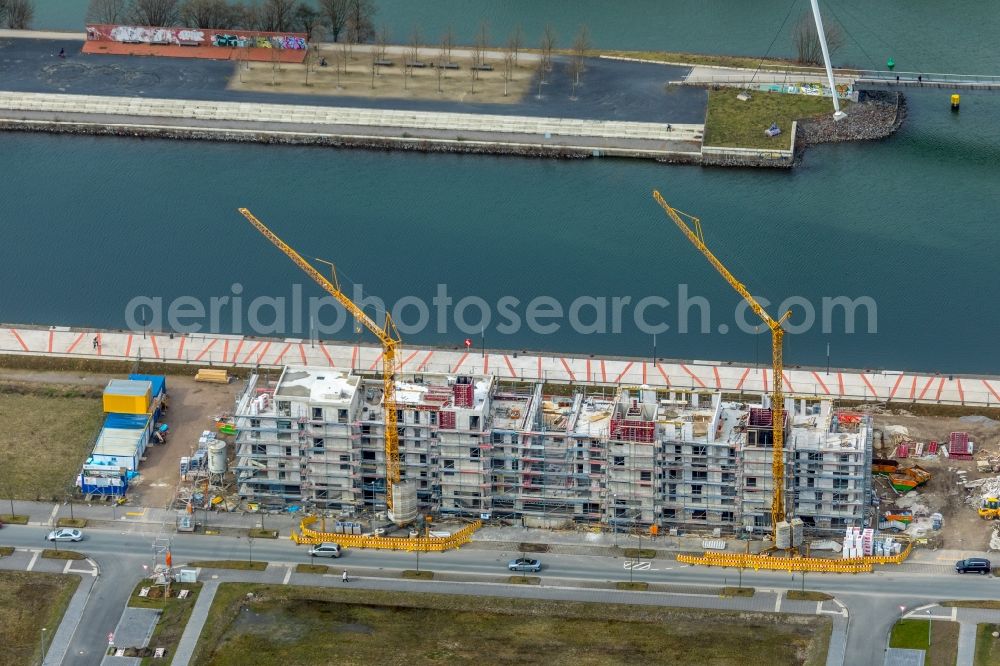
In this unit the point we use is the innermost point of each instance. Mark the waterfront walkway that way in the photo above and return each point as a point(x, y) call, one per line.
point(241, 351)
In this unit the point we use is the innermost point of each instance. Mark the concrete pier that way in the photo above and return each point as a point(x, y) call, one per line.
point(241, 351)
point(460, 131)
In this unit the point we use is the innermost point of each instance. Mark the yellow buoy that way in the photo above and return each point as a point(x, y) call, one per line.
point(955, 100)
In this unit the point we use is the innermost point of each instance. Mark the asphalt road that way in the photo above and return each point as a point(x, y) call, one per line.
point(610, 90)
point(873, 600)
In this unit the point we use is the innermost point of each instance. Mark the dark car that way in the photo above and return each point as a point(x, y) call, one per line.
point(977, 565)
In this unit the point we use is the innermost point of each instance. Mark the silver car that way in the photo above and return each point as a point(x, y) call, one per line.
point(524, 564)
point(65, 534)
point(325, 550)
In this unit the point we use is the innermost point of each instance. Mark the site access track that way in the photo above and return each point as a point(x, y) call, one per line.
point(248, 352)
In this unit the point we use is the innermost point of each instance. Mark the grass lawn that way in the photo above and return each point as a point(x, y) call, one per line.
point(304, 625)
point(312, 568)
point(28, 602)
point(645, 553)
point(944, 644)
point(987, 647)
point(244, 565)
point(632, 586)
point(702, 59)
point(737, 124)
point(173, 619)
point(6, 551)
point(738, 591)
point(912, 634)
point(66, 418)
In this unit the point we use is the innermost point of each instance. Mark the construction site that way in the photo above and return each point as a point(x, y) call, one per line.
point(419, 460)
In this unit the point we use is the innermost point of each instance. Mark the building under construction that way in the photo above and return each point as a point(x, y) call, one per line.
point(477, 445)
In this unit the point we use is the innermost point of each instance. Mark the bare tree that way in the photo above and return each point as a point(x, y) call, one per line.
point(447, 43)
point(477, 57)
point(17, 14)
point(806, 40)
point(311, 60)
point(154, 12)
point(413, 54)
point(580, 47)
point(548, 45)
point(278, 15)
point(516, 42)
point(361, 15)
point(307, 18)
point(275, 64)
point(334, 12)
point(107, 11)
point(384, 36)
point(509, 58)
point(482, 43)
point(206, 14)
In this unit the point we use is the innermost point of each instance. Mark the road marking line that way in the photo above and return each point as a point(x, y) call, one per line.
point(66, 568)
point(34, 558)
point(777, 603)
point(819, 607)
point(52, 516)
point(954, 613)
point(288, 575)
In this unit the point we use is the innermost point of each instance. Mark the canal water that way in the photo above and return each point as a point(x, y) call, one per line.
point(910, 223)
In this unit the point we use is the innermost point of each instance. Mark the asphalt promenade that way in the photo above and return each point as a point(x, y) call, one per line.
point(243, 351)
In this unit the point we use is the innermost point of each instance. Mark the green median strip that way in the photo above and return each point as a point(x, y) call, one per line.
point(53, 554)
point(418, 575)
point(738, 591)
point(524, 580)
point(243, 565)
point(807, 595)
point(13, 519)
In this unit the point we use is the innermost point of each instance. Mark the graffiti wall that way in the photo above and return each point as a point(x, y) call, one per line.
point(133, 34)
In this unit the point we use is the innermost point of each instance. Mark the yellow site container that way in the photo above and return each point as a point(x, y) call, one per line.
point(126, 396)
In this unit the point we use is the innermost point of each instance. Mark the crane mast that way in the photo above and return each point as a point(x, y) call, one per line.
point(777, 342)
point(387, 335)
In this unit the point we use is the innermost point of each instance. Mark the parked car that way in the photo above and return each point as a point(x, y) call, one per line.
point(325, 550)
point(65, 534)
point(979, 565)
point(524, 564)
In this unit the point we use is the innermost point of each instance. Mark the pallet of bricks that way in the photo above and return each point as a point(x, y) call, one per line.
point(212, 376)
point(959, 446)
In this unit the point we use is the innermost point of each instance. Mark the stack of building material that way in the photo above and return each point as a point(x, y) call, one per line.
point(852, 543)
point(212, 376)
point(959, 446)
point(932, 448)
point(867, 540)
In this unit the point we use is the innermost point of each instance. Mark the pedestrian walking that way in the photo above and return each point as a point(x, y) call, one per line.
point(95, 342)
point(343, 577)
point(62, 53)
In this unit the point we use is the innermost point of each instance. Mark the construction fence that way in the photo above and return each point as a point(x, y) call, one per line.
point(307, 535)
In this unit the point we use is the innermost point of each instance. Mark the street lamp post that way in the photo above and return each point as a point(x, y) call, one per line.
point(41, 659)
point(930, 628)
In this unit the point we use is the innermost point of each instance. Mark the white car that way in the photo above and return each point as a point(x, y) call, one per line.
point(65, 534)
point(325, 550)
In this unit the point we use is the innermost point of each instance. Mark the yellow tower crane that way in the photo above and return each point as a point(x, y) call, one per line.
point(387, 335)
point(777, 341)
